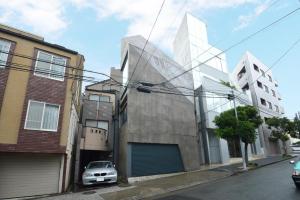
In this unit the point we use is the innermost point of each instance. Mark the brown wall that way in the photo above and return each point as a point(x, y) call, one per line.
point(22, 86)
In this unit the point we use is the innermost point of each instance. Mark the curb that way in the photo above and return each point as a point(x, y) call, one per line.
point(260, 166)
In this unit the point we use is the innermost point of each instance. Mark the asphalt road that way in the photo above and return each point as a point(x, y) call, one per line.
point(271, 182)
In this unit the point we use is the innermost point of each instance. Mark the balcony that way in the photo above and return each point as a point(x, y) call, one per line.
point(276, 83)
point(279, 96)
point(94, 139)
point(281, 110)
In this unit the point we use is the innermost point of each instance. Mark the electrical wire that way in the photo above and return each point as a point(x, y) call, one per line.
point(58, 64)
point(134, 69)
point(234, 45)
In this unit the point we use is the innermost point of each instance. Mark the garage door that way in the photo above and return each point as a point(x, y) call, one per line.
point(150, 159)
point(28, 174)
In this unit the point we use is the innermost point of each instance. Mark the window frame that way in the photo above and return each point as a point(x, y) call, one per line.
point(270, 78)
point(256, 68)
point(263, 73)
point(273, 93)
point(97, 121)
point(261, 102)
point(42, 120)
point(259, 83)
point(266, 89)
point(51, 63)
point(9, 49)
point(270, 106)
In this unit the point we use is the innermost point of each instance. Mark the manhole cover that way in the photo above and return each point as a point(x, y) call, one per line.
point(89, 192)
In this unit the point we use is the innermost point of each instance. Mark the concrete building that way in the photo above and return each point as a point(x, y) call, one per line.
point(39, 106)
point(264, 93)
point(210, 73)
point(157, 130)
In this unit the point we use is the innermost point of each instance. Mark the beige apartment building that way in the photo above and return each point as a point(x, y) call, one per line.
point(39, 106)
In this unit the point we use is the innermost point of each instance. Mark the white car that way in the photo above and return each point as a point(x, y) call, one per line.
point(99, 172)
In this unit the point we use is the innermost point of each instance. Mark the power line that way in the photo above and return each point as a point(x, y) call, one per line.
point(233, 46)
point(62, 65)
point(155, 47)
point(146, 41)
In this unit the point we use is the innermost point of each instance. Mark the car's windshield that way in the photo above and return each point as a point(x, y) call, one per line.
point(94, 165)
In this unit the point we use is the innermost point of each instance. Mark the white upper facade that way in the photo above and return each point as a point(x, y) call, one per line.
point(191, 48)
point(251, 74)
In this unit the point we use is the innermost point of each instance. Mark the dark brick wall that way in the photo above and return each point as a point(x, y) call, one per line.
point(45, 90)
point(4, 72)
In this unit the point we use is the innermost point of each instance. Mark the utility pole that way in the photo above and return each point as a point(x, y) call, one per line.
point(232, 97)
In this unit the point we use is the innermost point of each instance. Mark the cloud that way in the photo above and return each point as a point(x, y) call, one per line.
point(245, 20)
point(44, 17)
point(140, 14)
point(49, 17)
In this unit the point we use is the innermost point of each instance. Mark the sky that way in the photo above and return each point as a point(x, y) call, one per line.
point(95, 28)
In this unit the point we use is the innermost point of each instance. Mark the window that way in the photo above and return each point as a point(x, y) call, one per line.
point(266, 89)
point(263, 73)
point(270, 105)
point(276, 108)
point(125, 70)
point(241, 73)
point(246, 87)
point(4, 47)
point(270, 78)
point(94, 97)
point(50, 66)
point(97, 124)
point(273, 93)
point(263, 101)
point(42, 116)
point(255, 67)
point(259, 84)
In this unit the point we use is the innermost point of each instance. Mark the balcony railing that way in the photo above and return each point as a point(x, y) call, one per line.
point(94, 139)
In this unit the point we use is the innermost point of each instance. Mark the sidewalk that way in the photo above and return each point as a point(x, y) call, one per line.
point(140, 190)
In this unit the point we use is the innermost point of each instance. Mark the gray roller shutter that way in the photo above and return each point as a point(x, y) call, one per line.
point(214, 148)
point(28, 174)
point(150, 159)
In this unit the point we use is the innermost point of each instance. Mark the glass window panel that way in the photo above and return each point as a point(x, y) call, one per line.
point(34, 115)
point(103, 125)
point(57, 72)
point(4, 47)
point(58, 69)
point(104, 98)
point(43, 68)
point(94, 97)
point(91, 123)
point(50, 117)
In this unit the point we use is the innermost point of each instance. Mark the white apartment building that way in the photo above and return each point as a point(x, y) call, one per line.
point(254, 76)
point(192, 50)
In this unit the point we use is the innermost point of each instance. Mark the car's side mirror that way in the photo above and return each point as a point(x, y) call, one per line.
point(84, 167)
point(292, 162)
point(114, 165)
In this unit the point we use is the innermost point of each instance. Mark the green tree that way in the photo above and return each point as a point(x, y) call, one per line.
point(297, 124)
point(281, 128)
point(244, 128)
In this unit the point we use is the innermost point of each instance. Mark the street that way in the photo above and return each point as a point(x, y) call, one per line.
point(270, 182)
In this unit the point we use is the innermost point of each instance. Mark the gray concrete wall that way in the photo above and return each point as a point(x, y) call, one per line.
point(159, 118)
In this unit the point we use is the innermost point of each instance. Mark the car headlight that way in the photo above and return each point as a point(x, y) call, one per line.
point(87, 174)
point(111, 173)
